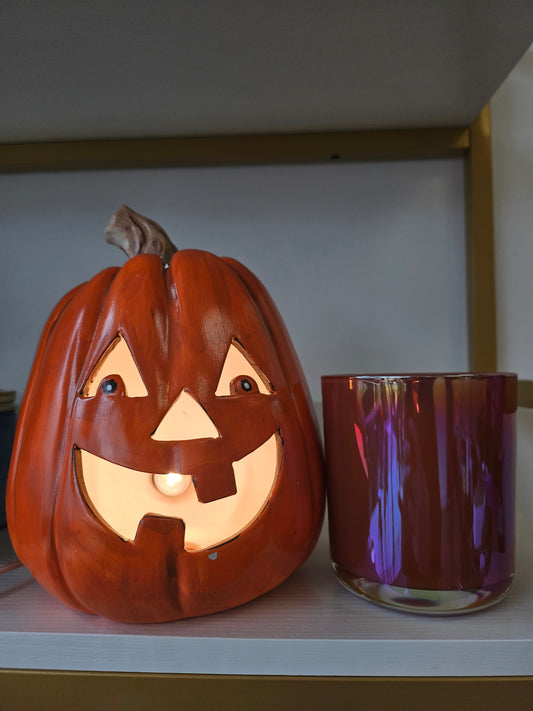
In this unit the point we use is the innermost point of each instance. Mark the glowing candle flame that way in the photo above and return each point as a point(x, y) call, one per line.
point(171, 484)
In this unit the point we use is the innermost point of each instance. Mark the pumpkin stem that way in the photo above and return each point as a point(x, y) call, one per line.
point(135, 234)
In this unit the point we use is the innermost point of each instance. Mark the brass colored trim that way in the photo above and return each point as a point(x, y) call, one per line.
point(480, 247)
point(474, 144)
point(525, 393)
point(234, 150)
point(86, 691)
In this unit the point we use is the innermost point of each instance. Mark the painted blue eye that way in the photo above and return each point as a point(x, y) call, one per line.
point(243, 384)
point(109, 386)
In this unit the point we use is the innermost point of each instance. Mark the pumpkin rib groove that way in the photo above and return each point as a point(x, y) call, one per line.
point(292, 370)
point(27, 401)
point(80, 303)
point(45, 343)
point(75, 602)
point(106, 277)
point(112, 272)
point(283, 342)
point(291, 367)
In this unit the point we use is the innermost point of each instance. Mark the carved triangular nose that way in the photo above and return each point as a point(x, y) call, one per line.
point(185, 419)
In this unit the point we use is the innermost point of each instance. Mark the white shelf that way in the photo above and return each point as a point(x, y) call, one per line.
point(309, 626)
point(179, 68)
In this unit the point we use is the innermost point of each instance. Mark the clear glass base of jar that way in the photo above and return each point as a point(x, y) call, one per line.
point(423, 602)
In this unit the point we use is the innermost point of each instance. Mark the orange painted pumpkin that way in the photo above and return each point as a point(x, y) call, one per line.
point(166, 463)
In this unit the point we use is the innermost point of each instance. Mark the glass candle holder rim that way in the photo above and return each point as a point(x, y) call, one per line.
point(473, 375)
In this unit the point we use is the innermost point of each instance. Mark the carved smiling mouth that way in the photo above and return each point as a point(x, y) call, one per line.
point(120, 497)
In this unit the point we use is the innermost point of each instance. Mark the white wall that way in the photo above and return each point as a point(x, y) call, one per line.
point(512, 145)
point(365, 261)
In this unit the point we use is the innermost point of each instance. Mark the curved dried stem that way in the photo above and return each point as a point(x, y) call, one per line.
point(135, 234)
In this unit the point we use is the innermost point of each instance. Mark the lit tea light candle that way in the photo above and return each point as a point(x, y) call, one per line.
point(172, 484)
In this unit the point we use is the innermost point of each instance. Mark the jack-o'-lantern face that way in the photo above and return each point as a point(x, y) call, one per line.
point(167, 440)
point(120, 497)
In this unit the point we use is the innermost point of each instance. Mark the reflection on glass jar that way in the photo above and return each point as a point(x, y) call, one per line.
point(421, 487)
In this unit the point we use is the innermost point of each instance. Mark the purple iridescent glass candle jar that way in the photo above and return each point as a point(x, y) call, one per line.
point(421, 487)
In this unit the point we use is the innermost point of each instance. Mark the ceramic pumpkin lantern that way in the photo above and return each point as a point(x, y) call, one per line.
point(167, 462)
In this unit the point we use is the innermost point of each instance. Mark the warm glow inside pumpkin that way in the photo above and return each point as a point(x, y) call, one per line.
point(120, 496)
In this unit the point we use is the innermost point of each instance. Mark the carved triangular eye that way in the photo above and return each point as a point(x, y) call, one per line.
point(116, 360)
point(241, 375)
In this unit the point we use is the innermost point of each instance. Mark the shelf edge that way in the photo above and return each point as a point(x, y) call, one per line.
point(263, 149)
